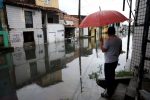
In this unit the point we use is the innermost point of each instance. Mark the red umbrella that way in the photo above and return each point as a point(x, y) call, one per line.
point(102, 18)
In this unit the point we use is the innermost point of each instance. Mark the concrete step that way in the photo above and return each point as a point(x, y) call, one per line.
point(119, 93)
point(145, 95)
point(146, 83)
point(131, 92)
point(125, 80)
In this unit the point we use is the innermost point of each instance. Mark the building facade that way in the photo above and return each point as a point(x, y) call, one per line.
point(140, 59)
point(70, 23)
point(28, 20)
point(25, 26)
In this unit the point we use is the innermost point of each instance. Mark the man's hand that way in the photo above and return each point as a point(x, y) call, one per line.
point(101, 45)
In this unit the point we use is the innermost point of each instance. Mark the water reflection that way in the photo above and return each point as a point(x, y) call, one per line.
point(57, 71)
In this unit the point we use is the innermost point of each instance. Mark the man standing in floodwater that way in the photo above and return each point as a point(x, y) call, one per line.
point(111, 47)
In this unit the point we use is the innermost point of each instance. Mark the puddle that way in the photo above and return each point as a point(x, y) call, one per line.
point(58, 71)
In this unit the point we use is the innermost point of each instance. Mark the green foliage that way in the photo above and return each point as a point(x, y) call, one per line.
point(94, 75)
point(124, 73)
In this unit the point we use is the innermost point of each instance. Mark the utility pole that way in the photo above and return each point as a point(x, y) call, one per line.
point(79, 11)
point(79, 16)
point(129, 30)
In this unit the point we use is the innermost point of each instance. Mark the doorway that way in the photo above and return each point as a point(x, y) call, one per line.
point(69, 32)
point(28, 38)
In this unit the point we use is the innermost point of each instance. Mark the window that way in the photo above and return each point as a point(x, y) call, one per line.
point(47, 1)
point(52, 18)
point(28, 36)
point(28, 19)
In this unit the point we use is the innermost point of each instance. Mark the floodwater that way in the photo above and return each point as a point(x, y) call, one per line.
point(57, 71)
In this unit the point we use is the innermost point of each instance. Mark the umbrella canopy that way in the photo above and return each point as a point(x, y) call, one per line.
point(102, 18)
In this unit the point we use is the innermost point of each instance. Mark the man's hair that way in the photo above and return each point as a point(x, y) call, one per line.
point(111, 31)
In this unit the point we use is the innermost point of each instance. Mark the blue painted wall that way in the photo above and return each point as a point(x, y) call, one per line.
point(1, 3)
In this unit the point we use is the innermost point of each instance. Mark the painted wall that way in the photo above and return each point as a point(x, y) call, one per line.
point(16, 22)
point(55, 33)
point(56, 51)
point(85, 31)
point(48, 3)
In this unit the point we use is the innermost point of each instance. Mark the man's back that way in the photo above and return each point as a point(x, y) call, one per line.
point(113, 46)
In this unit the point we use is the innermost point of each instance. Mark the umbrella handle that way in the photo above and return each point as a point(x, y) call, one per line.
point(100, 33)
point(101, 38)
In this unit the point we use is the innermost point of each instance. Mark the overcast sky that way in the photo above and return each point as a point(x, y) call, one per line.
point(90, 6)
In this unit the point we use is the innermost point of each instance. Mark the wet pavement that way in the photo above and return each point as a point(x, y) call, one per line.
point(57, 71)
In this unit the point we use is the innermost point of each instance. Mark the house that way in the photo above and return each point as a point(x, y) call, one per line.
point(57, 25)
point(24, 24)
point(40, 15)
point(52, 28)
point(71, 25)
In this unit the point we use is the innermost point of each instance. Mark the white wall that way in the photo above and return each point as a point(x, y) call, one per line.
point(15, 16)
point(85, 31)
point(16, 22)
point(76, 32)
point(55, 32)
point(56, 50)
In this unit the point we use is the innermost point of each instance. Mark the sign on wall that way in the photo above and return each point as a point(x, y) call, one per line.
point(15, 38)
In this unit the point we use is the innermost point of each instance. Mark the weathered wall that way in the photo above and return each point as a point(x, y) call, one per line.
point(55, 32)
point(48, 3)
point(56, 51)
point(16, 22)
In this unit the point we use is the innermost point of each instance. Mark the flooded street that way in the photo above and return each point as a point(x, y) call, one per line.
point(58, 71)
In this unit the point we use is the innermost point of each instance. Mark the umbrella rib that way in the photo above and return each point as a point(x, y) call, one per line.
point(102, 18)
